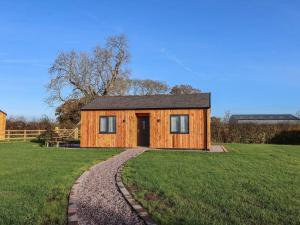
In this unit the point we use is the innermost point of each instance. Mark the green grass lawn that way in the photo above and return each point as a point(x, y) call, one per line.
point(252, 184)
point(35, 181)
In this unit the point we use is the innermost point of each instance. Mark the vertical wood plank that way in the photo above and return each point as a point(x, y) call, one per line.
point(2, 125)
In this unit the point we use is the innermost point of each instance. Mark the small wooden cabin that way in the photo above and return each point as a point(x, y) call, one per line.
point(2, 125)
point(157, 121)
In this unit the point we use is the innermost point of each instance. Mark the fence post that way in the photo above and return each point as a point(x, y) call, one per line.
point(25, 132)
point(76, 136)
point(8, 135)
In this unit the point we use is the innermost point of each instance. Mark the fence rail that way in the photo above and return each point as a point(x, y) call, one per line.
point(27, 135)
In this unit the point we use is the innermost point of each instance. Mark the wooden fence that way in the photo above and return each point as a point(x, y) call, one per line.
point(26, 135)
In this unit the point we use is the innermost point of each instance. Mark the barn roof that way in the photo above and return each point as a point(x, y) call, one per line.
point(200, 100)
point(263, 117)
point(2, 112)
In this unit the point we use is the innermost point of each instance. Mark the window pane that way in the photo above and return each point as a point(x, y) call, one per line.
point(111, 124)
point(114, 124)
point(180, 124)
point(184, 124)
point(103, 124)
point(175, 123)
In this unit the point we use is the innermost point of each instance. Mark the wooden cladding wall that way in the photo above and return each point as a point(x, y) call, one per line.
point(160, 136)
point(2, 125)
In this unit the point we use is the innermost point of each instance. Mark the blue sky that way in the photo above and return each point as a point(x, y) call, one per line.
point(246, 53)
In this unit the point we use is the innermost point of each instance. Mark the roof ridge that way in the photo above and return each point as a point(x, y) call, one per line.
point(111, 96)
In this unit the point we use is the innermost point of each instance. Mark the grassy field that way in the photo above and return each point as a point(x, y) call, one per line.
point(252, 184)
point(35, 181)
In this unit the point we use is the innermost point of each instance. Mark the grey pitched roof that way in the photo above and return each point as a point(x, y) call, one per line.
point(264, 117)
point(2, 112)
point(201, 100)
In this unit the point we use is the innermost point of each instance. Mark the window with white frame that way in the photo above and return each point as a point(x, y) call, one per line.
point(107, 125)
point(179, 124)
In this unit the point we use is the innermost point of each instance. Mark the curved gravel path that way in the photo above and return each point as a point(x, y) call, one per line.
point(98, 198)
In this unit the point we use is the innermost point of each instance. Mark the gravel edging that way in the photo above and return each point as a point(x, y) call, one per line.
point(88, 178)
point(72, 207)
point(143, 214)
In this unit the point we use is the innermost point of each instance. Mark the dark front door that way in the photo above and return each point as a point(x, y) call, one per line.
point(143, 130)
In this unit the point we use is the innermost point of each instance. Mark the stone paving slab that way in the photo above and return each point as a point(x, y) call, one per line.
point(218, 148)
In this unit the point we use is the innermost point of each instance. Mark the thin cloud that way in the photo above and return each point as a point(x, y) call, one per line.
point(179, 62)
point(34, 62)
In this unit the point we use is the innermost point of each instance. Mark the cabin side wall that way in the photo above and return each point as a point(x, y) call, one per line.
point(160, 136)
point(123, 137)
point(2, 126)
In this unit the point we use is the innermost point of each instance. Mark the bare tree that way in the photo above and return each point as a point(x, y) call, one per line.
point(184, 89)
point(147, 87)
point(298, 114)
point(226, 117)
point(120, 87)
point(85, 76)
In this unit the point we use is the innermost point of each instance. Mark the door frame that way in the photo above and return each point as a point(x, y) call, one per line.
point(138, 116)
